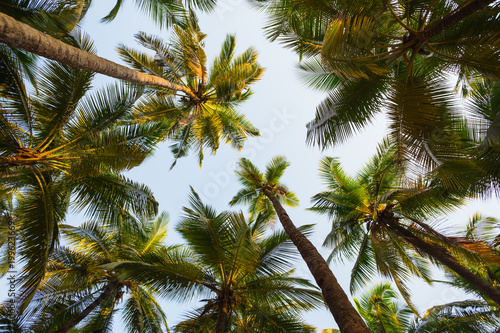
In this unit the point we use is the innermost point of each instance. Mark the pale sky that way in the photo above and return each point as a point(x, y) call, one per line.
point(280, 107)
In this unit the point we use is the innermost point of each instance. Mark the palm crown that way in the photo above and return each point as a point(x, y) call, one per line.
point(363, 209)
point(243, 276)
point(60, 142)
point(76, 280)
point(203, 112)
point(254, 181)
point(394, 56)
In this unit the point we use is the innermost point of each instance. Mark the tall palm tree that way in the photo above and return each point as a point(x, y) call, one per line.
point(211, 116)
point(243, 277)
point(19, 35)
point(257, 186)
point(379, 218)
point(78, 292)
point(200, 106)
point(390, 55)
point(60, 142)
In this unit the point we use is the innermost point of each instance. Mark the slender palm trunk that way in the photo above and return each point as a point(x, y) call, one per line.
point(20, 35)
point(440, 254)
point(222, 316)
point(454, 17)
point(108, 291)
point(343, 311)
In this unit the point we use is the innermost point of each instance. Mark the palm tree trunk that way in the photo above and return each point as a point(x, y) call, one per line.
point(343, 311)
point(453, 18)
point(441, 254)
point(108, 291)
point(20, 35)
point(222, 316)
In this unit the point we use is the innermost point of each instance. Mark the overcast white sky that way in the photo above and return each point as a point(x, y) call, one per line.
point(280, 107)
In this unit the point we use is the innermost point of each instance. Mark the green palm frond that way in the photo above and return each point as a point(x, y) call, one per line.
point(381, 311)
point(298, 25)
point(56, 18)
point(346, 110)
point(483, 228)
point(15, 67)
point(316, 76)
point(275, 169)
point(142, 313)
point(109, 197)
point(203, 112)
point(277, 251)
point(206, 232)
point(465, 316)
point(163, 13)
point(39, 214)
point(140, 61)
point(99, 110)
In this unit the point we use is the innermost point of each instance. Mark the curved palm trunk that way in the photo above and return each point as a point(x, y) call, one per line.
point(440, 254)
point(108, 291)
point(454, 17)
point(20, 35)
point(222, 316)
point(343, 311)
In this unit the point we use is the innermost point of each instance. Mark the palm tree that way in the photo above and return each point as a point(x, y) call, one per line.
point(256, 186)
point(60, 143)
point(19, 35)
point(390, 55)
point(211, 116)
point(199, 106)
point(242, 276)
point(78, 291)
point(378, 217)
